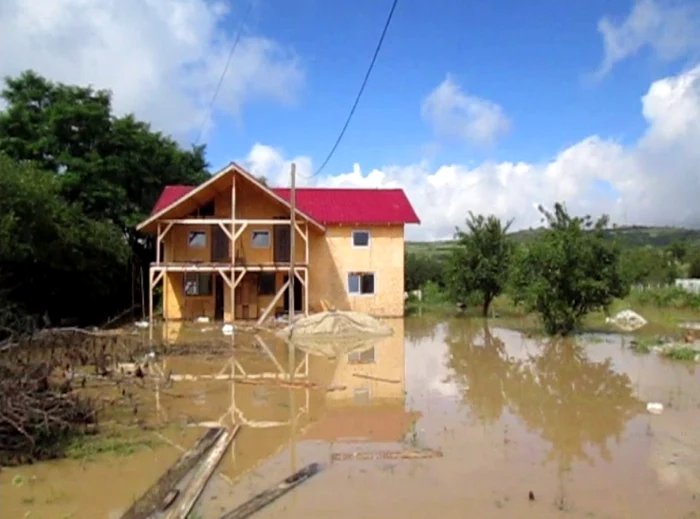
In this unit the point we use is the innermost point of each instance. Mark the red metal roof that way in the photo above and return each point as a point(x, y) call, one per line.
point(331, 205)
point(353, 205)
point(169, 195)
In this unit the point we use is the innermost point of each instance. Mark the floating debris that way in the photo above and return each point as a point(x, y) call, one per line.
point(655, 408)
point(627, 320)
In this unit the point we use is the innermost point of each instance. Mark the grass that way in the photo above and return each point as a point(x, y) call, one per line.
point(682, 353)
point(116, 443)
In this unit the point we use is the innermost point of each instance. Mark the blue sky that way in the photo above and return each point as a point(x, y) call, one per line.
point(483, 106)
point(535, 59)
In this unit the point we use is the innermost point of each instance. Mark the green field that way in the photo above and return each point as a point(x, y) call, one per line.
point(633, 236)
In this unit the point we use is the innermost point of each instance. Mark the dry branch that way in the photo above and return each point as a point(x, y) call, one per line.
point(38, 416)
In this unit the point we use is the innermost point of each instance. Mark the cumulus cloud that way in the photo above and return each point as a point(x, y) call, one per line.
point(161, 58)
point(654, 181)
point(454, 113)
point(670, 29)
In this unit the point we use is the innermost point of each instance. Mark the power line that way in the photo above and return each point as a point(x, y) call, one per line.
point(223, 73)
point(362, 88)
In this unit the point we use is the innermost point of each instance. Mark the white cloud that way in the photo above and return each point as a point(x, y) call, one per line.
point(670, 29)
point(453, 113)
point(654, 181)
point(161, 58)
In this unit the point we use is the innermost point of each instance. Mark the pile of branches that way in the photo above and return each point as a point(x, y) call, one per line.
point(38, 415)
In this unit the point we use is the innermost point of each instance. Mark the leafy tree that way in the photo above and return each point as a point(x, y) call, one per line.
point(420, 268)
point(480, 260)
point(678, 249)
point(95, 176)
point(568, 271)
point(56, 261)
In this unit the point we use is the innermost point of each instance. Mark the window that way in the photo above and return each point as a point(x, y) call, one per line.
point(197, 239)
point(267, 282)
point(362, 395)
point(261, 239)
point(360, 238)
point(361, 357)
point(361, 283)
point(198, 283)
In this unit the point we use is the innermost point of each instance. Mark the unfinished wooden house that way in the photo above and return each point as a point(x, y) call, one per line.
point(223, 248)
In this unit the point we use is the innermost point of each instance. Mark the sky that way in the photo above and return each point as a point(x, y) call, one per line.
point(490, 107)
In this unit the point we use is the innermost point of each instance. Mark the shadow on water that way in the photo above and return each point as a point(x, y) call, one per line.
point(562, 420)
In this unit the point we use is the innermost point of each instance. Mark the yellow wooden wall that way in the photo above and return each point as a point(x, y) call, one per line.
point(333, 257)
point(389, 363)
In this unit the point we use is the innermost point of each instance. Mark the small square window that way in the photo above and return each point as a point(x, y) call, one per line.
point(260, 239)
point(267, 282)
point(198, 283)
point(361, 357)
point(360, 238)
point(197, 239)
point(361, 283)
point(362, 395)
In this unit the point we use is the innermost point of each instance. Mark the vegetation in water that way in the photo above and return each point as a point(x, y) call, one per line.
point(480, 260)
point(568, 272)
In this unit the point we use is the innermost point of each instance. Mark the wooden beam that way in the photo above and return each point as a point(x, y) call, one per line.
point(292, 242)
point(158, 238)
point(156, 280)
point(306, 251)
point(202, 475)
point(238, 235)
point(226, 221)
point(226, 231)
point(238, 280)
point(273, 303)
point(222, 272)
point(150, 297)
point(216, 267)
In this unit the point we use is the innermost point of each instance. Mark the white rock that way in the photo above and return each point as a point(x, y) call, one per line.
point(202, 319)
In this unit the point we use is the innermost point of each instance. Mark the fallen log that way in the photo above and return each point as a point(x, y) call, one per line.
point(266, 497)
point(189, 496)
point(387, 455)
point(152, 500)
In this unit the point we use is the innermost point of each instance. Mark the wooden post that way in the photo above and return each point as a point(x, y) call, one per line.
point(292, 241)
point(158, 242)
point(232, 288)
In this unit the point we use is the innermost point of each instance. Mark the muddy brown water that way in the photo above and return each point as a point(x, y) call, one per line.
point(565, 421)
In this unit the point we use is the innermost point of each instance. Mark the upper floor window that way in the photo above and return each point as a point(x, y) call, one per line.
point(360, 238)
point(361, 283)
point(260, 239)
point(197, 239)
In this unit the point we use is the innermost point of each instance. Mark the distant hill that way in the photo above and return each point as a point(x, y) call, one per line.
point(632, 236)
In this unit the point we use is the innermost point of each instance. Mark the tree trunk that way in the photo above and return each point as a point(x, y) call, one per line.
point(486, 305)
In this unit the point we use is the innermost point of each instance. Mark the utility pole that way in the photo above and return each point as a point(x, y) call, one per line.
point(292, 240)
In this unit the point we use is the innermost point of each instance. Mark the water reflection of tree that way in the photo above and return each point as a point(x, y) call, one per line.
point(572, 402)
point(479, 363)
point(424, 327)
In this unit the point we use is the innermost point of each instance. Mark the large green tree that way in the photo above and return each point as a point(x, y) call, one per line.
point(568, 271)
point(480, 260)
point(92, 173)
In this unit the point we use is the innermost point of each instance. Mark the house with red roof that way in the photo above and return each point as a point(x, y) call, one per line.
point(224, 249)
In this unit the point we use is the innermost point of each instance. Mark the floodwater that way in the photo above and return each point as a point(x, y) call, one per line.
point(527, 429)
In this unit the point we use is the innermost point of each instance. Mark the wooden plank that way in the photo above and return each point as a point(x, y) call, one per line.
point(378, 379)
point(189, 496)
point(387, 455)
point(270, 495)
point(149, 503)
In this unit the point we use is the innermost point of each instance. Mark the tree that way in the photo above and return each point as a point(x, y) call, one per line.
point(96, 175)
point(480, 260)
point(420, 268)
point(569, 270)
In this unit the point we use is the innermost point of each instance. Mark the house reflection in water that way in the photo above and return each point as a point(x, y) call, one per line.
point(369, 402)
